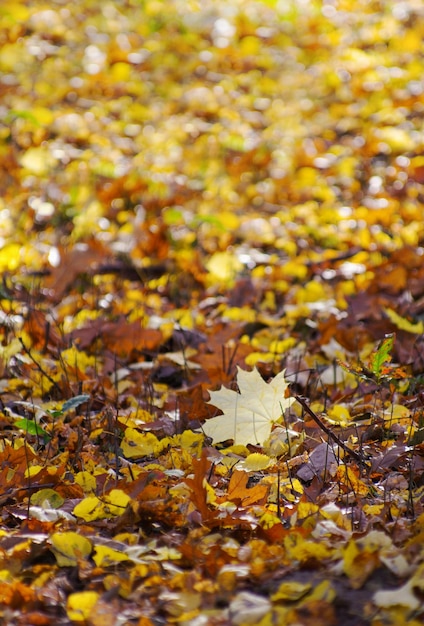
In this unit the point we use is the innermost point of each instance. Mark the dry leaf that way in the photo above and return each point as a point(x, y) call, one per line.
point(248, 416)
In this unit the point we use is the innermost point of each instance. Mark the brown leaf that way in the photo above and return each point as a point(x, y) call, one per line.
point(122, 338)
point(74, 261)
point(201, 469)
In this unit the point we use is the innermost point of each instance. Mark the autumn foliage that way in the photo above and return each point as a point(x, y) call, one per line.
point(211, 313)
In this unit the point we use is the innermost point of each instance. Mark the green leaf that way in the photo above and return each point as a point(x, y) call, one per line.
point(382, 356)
point(31, 427)
point(14, 114)
point(75, 402)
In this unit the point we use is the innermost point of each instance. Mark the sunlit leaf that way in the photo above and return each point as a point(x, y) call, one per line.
point(187, 191)
point(223, 267)
point(38, 161)
point(256, 462)
point(248, 416)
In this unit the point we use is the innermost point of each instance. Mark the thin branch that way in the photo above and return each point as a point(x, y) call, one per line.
point(354, 455)
point(44, 373)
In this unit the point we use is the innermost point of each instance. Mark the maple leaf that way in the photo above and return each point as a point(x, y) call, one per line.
point(248, 416)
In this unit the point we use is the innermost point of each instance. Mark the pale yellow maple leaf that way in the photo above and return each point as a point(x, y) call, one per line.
point(248, 416)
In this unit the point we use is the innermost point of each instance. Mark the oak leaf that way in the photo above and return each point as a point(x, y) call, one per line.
point(248, 416)
point(238, 490)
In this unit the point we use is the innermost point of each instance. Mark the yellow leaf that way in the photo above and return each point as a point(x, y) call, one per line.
point(223, 266)
point(7, 352)
point(359, 562)
point(118, 500)
point(399, 139)
point(404, 324)
point(269, 519)
point(105, 556)
point(250, 45)
point(240, 314)
point(92, 508)
point(306, 509)
point(323, 592)
point(281, 346)
point(291, 591)
point(312, 292)
point(39, 161)
point(396, 412)
point(339, 414)
point(10, 257)
point(69, 548)
point(296, 269)
point(89, 509)
point(237, 449)
point(192, 442)
point(210, 493)
point(43, 115)
point(33, 471)
point(256, 462)
point(11, 55)
point(120, 72)
point(80, 605)
point(136, 444)
point(347, 476)
point(86, 480)
point(6, 576)
point(78, 359)
point(254, 358)
point(283, 441)
point(373, 509)
point(300, 550)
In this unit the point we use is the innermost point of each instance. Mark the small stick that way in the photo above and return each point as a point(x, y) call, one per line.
point(355, 455)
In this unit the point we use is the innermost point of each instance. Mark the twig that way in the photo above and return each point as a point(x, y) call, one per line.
point(354, 455)
point(43, 371)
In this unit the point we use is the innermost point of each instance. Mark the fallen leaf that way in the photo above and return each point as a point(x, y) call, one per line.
point(248, 416)
point(238, 490)
point(70, 547)
point(80, 604)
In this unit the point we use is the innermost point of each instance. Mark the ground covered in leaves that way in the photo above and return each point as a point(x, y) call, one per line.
point(198, 195)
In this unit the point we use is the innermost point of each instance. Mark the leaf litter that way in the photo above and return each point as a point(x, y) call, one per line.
point(221, 196)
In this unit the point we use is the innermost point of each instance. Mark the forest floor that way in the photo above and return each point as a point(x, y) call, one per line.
point(211, 312)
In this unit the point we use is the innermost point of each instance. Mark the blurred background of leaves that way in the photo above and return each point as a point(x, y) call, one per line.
point(187, 188)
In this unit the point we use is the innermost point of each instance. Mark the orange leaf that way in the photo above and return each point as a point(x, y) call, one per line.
point(123, 338)
point(197, 485)
point(238, 491)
